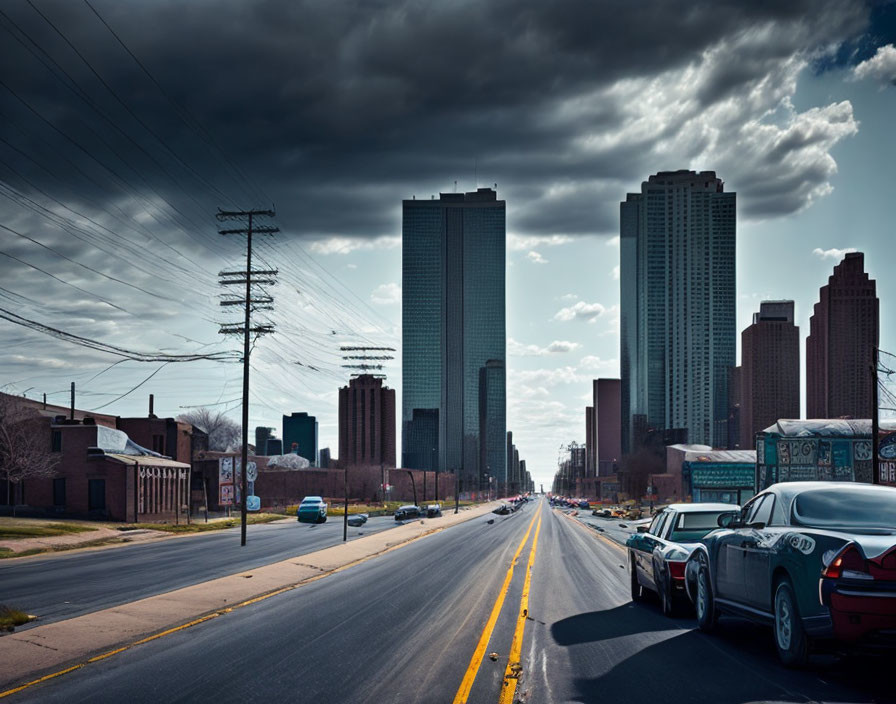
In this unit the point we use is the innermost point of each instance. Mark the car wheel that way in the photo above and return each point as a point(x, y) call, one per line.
point(703, 604)
point(790, 638)
point(637, 589)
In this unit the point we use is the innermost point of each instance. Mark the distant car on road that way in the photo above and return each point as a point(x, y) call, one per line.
point(357, 519)
point(313, 509)
point(403, 513)
point(659, 551)
point(815, 560)
point(433, 510)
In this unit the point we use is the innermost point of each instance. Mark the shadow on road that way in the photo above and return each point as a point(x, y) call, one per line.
point(613, 623)
point(735, 665)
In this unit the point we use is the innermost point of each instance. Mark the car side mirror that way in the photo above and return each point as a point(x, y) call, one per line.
point(727, 520)
point(643, 529)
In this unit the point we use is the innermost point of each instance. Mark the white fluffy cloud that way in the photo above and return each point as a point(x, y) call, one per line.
point(346, 245)
point(880, 67)
point(832, 253)
point(536, 257)
point(518, 243)
point(593, 363)
point(581, 311)
point(386, 294)
point(518, 349)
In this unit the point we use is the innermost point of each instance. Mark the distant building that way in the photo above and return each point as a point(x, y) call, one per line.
point(420, 440)
point(262, 434)
point(770, 370)
point(366, 423)
point(273, 446)
point(493, 420)
point(453, 324)
point(843, 330)
point(677, 292)
point(300, 436)
point(590, 444)
point(513, 481)
point(607, 395)
point(325, 458)
point(734, 410)
point(707, 475)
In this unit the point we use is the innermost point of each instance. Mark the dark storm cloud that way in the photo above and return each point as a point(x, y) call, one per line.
point(339, 110)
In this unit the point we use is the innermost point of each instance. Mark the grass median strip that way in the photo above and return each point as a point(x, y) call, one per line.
point(466, 684)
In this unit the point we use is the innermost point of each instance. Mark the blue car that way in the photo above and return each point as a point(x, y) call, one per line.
point(313, 509)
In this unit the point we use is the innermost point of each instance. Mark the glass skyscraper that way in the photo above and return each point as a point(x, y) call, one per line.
point(453, 328)
point(677, 296)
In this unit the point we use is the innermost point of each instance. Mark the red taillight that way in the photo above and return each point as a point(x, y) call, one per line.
point(849, 559)
point(676, 570)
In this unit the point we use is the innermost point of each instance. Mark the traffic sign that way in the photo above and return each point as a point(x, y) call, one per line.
point(253, 503)
point(251, 471)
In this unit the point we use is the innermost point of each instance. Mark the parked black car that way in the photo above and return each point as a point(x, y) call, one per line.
point(403, 513)
point(433, 510)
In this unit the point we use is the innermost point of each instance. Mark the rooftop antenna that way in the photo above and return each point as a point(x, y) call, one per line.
point(476, 173)
point(455, 185)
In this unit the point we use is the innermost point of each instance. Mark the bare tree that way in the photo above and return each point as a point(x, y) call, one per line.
point(25, 451)
point(223, 433)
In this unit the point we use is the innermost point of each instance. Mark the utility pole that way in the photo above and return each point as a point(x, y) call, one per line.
point(875, 403)
point(231, 278)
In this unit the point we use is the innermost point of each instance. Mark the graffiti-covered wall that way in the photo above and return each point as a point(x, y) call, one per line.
point(789, 459)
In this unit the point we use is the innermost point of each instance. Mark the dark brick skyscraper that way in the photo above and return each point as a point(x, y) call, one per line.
point(366, 423)
point(842, 332)
point(769, 371)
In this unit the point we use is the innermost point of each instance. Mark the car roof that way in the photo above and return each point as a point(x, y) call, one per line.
point(312, 498)
point(700, 508)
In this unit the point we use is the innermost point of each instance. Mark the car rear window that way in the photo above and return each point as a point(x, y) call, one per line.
point(694, 526)
point(872, 508)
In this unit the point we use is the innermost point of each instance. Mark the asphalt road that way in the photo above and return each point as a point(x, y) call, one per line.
point(403, 627)
point(71, 584)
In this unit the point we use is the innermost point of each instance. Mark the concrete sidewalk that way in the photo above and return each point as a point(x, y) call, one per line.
point(45, 650)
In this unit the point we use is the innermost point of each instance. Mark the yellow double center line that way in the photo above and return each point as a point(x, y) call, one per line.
point(466, 684)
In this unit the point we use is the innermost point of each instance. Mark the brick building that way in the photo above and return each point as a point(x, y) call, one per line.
point(843, 330)
point(366, 423)
point(769, 371)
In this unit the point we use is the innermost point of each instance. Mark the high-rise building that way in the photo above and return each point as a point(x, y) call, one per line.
point(734, 401)
point(607, 395)
point(366, 423)
point(770, 370)
point(325, 457)
point(420, 437)
point(493, 420)
point(590, 455)
point(677, 288)
point(300, 436)
point(843, 331)
point(453, 324)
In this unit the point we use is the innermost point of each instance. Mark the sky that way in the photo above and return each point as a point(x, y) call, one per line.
point(127, 125)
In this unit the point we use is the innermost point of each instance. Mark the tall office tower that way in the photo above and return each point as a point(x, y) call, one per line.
point(590, 456)
point(493, 420)
point(325, 458)
point(453, 324)
point(512, 480)
point(734, 401)
point(770, 370)
point(843, 330)
point(420, 439)
point(300, 436)
point(366, 423)
point(677, 295)
point(607, 395)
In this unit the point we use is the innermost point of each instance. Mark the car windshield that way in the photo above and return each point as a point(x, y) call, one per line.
point(694, 526)
point(861, 508)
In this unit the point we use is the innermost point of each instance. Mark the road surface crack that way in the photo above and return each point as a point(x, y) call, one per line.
point(311, 567)
point(34, 642)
